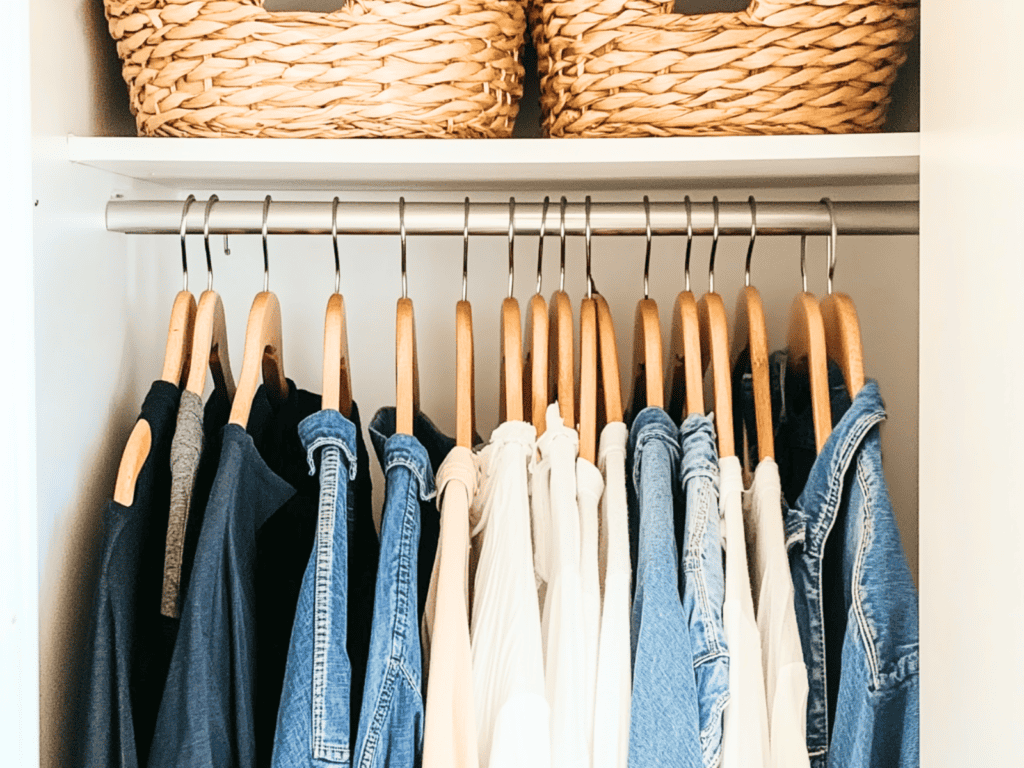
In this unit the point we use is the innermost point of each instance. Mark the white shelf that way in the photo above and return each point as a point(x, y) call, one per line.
point(507, 164)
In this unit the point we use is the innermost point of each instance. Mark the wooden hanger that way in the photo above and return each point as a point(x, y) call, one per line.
point(177, 352)
point(752, 334)
point(608, 361)
point(210, 340)
point(808, 353)
point(648, 378)
point(588, 362)
point(337, 375)
point(561, 351)
point(686, 373)
point(535, 360)
point(511, 385)
point(714, 347)
point(465, 408)
point(407, 375)
point(263, 350)
point(842, 328)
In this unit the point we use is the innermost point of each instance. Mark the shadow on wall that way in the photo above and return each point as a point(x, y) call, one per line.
point(111, 114)
point(66, 610)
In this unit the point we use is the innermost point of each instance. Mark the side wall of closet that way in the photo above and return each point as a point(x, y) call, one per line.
point(101, 303)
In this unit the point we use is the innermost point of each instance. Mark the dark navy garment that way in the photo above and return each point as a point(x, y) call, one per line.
point(120, 707)
point(391, 723)
point(209, 712)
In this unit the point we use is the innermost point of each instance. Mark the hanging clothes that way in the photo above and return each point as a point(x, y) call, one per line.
point(391, 721)
point(856, 604)
point(664, 719)
point(562, 614)
point(513, 718)
point(703, 579)
point(613, 687)
point(449, 739)
point(121, 690)
point(745, 726)
point(589, 488)
point(211, 704)
point(322, 696)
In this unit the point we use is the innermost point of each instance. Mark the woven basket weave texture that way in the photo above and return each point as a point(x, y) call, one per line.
point(377, 68)
point(633, 68)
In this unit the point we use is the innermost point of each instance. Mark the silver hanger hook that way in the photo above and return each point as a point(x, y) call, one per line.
point(561, 237)
point(753, 237)
point(803, 261)
point(184, 221)
point(266, 256)
point(647, 257)
point(540, 242)
point(511, 243)
point(587, 235)
point(465, 251)
point(714, 247)
point(833, 236)
point(334, 240)
point(206, 241)
point(689, 242)
point(401, 234)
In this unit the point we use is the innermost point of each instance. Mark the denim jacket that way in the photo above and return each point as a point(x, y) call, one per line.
point(856, 604)
point(664, 722)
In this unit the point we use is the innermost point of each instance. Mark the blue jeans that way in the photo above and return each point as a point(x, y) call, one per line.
point(664, 724)
point(703, 580)
point(314, 717)
point(392, 716)
point(856, 604)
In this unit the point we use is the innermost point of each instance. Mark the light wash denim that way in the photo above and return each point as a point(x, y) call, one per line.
point(313, 720)
point(392, 717)
point(664, 726)
point(856, 604)
point(703, 580)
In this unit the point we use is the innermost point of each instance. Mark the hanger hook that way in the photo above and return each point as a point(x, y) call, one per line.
point(465, 251)
point(803, 261)
point(184, 221)
point(206, 241)
point(266, 256)
point(647, 257)
point(511, 243)
point(833, 236)
point(753, 237)
point(540, 242)
point(334, 240)
point(561, 236)
point(401, 234)
point(587, 235)
point(689, 242)
point(714, 247)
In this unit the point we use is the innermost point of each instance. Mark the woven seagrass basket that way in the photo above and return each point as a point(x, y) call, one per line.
point(633, 68)
point(377, 68)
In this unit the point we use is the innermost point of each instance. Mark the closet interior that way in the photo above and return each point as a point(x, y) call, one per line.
point(108, 247)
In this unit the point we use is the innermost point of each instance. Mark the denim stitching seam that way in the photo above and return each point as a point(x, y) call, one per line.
point(416, 469)
point(717, 712)
point(867, 536)
point(324, 442)
point(703, 512)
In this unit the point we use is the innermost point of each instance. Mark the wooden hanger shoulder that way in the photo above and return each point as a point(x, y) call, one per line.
point(751, 333)
point(337, 374)
point(263, 353)
point(611, 383)
point(685, 383)
point(588, 380)
point(648, 378)
point(562, 357)
point(807, 352)
point(842, 339)
point(210, 348)
point(407, 378)
point(465, 385)
point(714, 345)
point(535, 365)
point(511, 374)
point(178, 348)
point(136, 451)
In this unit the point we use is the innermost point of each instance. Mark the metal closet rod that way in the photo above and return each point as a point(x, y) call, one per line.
point(236, 217)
